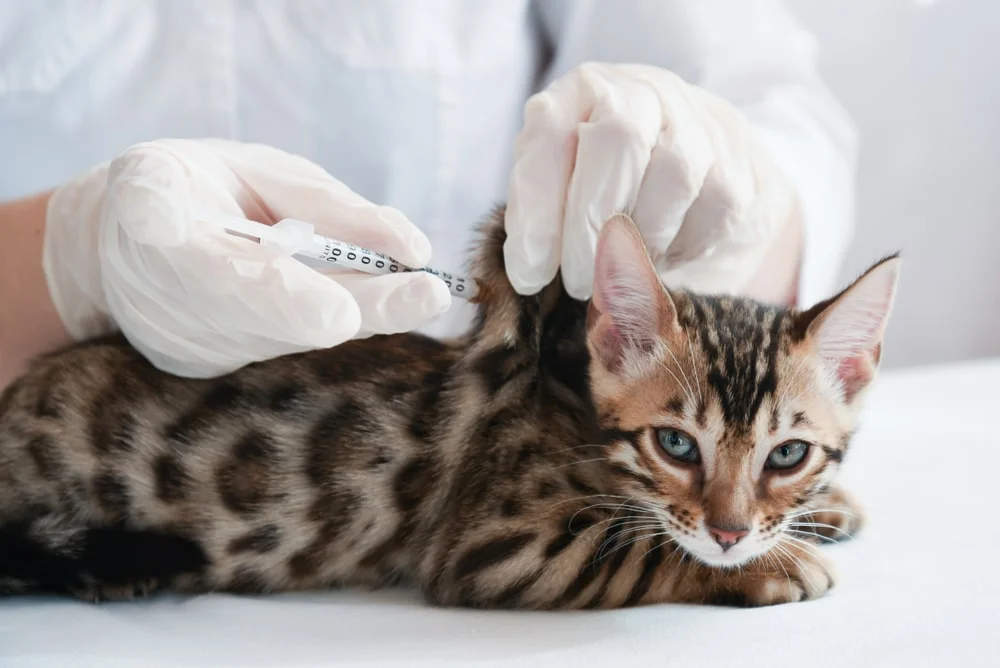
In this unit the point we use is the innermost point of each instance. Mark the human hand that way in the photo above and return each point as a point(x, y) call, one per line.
point(684, 163)
point(130, 245)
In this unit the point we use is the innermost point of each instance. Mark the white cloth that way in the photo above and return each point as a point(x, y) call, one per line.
point(413, 105)
point(917, 589)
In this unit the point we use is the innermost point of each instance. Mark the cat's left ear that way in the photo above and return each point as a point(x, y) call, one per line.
point(632, 317)
point(847, 330)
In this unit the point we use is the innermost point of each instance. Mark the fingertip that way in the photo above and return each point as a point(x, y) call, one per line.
point(398, 302)
point(339, 324)
point(581, 294)
point(578, 287)
point(411, 247)
point(148, 196)
point(423, 295)
point(528, 269)
point(420, 250)
point(523, 288)
point(318, 310)
point(437, 297)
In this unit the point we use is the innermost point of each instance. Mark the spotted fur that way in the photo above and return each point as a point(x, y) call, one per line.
point(515, 467)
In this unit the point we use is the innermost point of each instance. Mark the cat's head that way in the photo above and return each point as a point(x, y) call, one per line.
point(729, 415)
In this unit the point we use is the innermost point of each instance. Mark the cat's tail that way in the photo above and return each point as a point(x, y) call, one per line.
point(52, 555)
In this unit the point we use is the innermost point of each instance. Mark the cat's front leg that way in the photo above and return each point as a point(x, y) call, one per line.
point(787, 574)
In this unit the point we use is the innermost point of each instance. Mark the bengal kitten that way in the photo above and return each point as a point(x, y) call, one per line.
point(632, 450)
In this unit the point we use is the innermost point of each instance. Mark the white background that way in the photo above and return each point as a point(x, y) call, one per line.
point(922, 82)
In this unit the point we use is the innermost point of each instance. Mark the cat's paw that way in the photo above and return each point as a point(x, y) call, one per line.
point(838, 517)
point(793, 576)
point(96, 592)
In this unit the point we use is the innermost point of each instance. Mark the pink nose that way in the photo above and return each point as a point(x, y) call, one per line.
point(727, 537)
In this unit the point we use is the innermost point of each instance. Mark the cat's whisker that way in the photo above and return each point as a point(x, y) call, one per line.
point(816, 511)
point(577, 447)
point(792, 399)
point(701, 393)
point(670, 539)
point(784, 570)
point(635, 511)
point(676, 554)
point(599, 555)
point(798, 562)
point(819, 525)
point(587, 496)
point(606, 506)
point(804, 543)
point(636, 539)
point(631, 521)
point(780, 398)
point(581, 461)
point(809, 534)
point(798, 559)
point(686, 391)
point(628, 523)
point(612, 504)
point(592, 506)
point(680, 367)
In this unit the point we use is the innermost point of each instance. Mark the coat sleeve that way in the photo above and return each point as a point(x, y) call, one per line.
point(754, 54)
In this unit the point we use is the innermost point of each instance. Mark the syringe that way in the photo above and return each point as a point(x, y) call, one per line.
point(297, 237)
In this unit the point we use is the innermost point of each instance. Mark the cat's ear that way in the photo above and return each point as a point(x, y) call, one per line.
point(847, 330)
point(631, 315)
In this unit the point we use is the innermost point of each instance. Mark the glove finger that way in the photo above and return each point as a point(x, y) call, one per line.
point(614, 150)
point(545, 151)
point(398, 302)
point(717, 217)
point(313, 196)
point(157, 191)
point(265, 292)
point(227, 285)
point(148, 195)
point(676, 173)
point(720, 273)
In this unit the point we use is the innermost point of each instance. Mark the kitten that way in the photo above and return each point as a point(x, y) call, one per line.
point(631, 450)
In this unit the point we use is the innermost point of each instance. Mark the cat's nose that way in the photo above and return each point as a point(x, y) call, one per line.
point(726, 537)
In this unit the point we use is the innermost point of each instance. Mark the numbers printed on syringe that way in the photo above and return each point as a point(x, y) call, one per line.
point(372, 262)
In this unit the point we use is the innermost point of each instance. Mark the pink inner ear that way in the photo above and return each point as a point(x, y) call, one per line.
point(849, 331)
point(854, 373)
point(610, 344)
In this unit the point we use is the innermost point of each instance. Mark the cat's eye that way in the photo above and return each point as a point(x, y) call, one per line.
point(678, 445)
point(787, 455)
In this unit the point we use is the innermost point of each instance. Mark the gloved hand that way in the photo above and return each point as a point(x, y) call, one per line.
point(130, 244)
point(686, 165)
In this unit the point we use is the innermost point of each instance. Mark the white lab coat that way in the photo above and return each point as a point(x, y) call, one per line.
point(413, 104)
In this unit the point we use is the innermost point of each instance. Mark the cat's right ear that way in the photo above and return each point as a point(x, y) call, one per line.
point(847, 330)
point(631, 316)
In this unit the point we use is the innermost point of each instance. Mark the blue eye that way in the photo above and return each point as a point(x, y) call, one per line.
point(678, 445)
point(787, 455)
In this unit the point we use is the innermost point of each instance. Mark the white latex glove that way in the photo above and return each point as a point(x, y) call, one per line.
point(606, 139)
point(129, 245)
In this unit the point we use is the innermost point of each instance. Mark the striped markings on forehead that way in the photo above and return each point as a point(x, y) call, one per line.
point(741, 341)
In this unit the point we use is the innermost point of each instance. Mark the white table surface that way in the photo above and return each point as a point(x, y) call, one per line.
point(921, 587)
